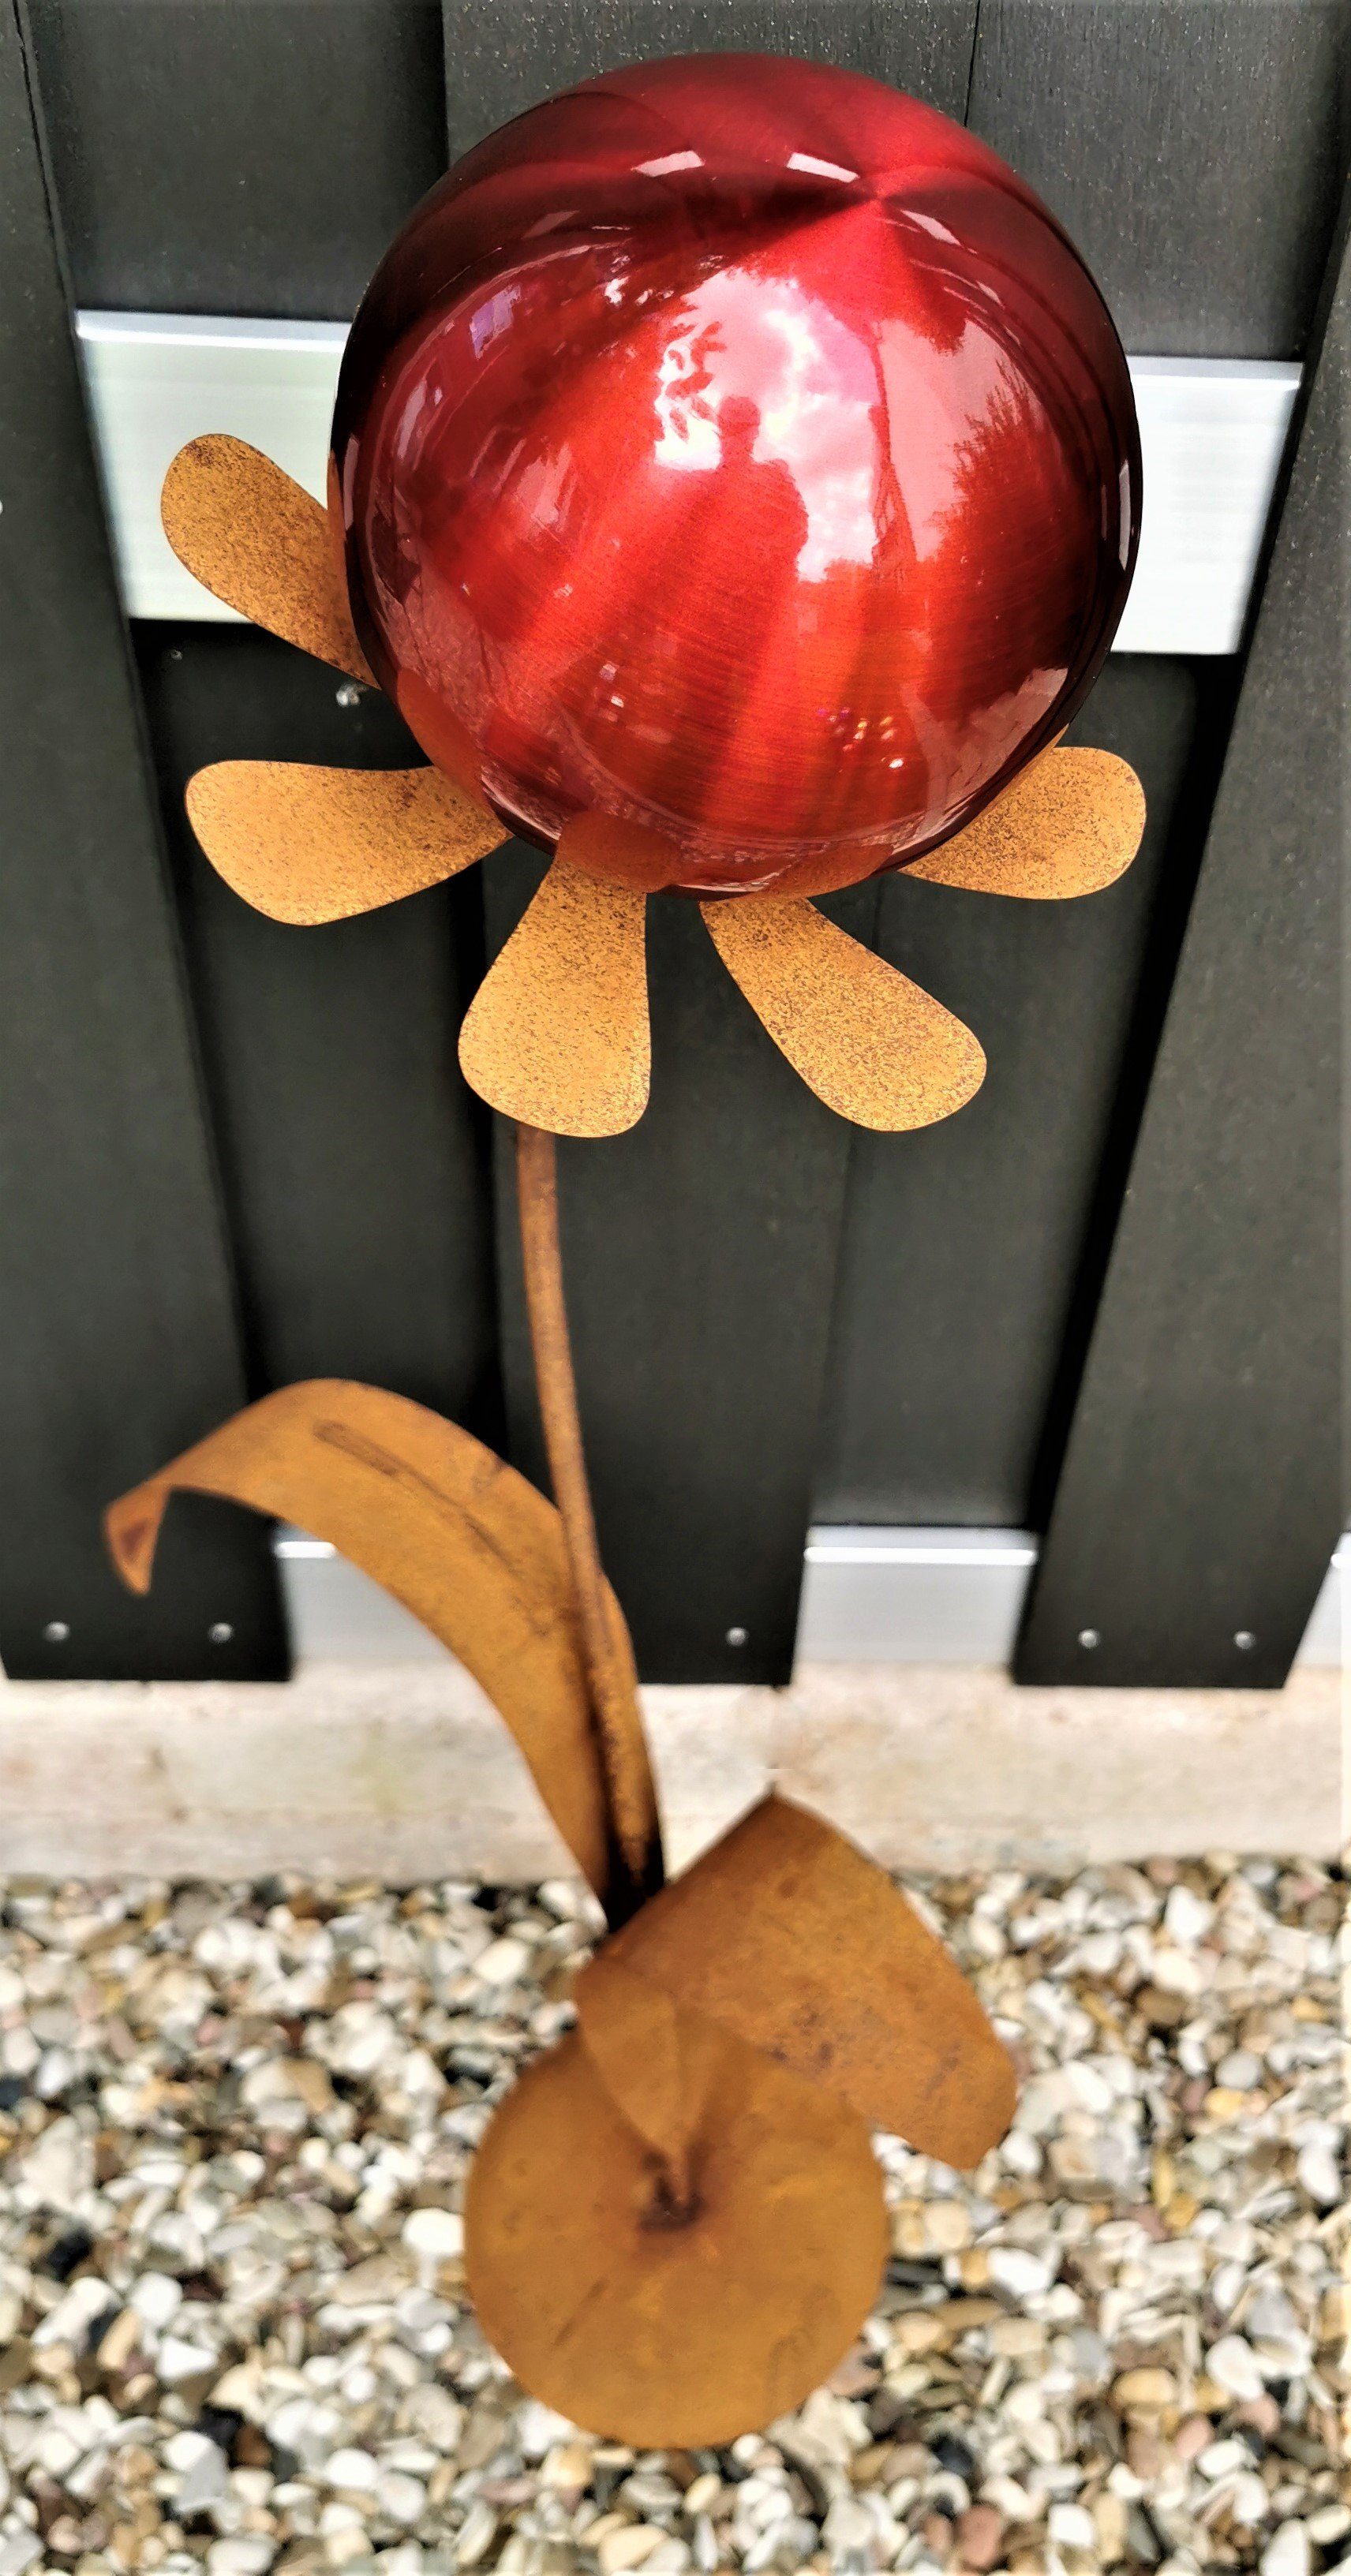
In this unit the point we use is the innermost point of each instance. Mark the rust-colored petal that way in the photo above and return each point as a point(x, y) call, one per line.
point(663, 2311)
point(557, 1035)
point(305, 845)
point(789, 1935)
point(456, 1535)
point(1068, 825)
point(261, 543)
point(870, 1043)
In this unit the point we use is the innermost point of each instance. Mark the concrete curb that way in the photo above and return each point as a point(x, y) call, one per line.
point(403, 1772)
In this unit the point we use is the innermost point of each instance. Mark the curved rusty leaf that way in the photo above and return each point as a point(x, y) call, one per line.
point(456, 1535)
point(786, 1933)
point(673, 2308)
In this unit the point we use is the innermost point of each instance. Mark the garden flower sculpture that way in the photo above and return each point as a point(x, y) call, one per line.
point(735, 484)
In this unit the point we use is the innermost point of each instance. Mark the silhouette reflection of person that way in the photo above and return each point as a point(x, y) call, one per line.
point(696, 696)
point(759, 498)
point(745, 541)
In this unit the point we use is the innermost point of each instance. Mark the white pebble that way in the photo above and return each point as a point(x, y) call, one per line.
point(245, 2553)
point(1316, 2170)
point(401, 2497)
point(1043, 2102)
point(1071, 2526)
point(431, 2411)
point(502, 1962)
point(58, 2169)
point(538, 2429)
point(1177, 1972)
point(1187, 1917)
point(56, 2450)
point(477, 2535)
point(238, 2388)
point(627, 2545)
point(1223, 2459)
point(1023, 2275)
point(183, 2450)
point(156, 2297)
point(1020, 2153)
point(1248, 2499)
point(1287, 2551)
point(339, 2518)
point(340, 2547)
point(19, 2051)
point(69, 2321)
point(177, 2359)
point(1240, 2070)
point(350, 2468)
point(436, 2234)
point(207, 2479)
point(55, 2069)
point(1233, 2365)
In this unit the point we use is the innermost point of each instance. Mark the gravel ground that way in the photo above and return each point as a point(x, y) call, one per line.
point(234, 2123)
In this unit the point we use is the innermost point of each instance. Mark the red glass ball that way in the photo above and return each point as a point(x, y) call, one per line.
point(736, 447)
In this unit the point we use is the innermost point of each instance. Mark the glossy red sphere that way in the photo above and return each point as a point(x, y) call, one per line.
point(736, 447)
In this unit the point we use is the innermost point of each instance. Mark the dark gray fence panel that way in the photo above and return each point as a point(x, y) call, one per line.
point(354, 1156)
point(238, 156)
point(972, 1252)
point(256, 155)
point(700, 1252)
point(702, 1248)
point(1200, 1495)
point(501, 58)
point(118, 1336)
point(1194, 149)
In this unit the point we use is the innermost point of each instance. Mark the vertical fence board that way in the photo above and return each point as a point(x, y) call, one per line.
point(118, 1338)
point(354, 1156)
point(237, 156)
point(971, 1250)
point(701, 1249)
point(1193, 149)
point(501, 59)
point(700, 1254)
point(1199, 1498)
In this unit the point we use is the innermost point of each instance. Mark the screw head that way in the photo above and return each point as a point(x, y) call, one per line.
point(1244, 1640)
point(56, 1632)
point(219, 1633)
point(736, 1636)
point(1089, 1638)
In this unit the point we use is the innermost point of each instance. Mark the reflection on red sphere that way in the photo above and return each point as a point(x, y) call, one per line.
point(736, 447)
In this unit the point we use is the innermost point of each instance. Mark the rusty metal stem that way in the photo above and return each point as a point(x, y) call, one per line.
point(635, 1872)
